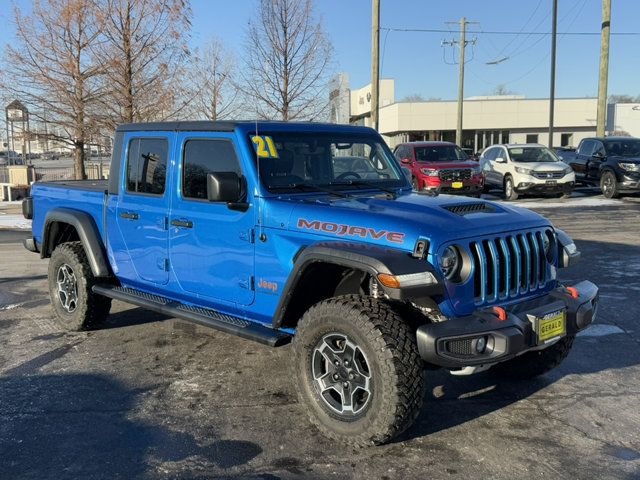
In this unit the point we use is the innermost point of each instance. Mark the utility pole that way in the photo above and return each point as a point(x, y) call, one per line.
point(601, 121)
point(552, 87)
point(375, 63)
point(462, 44)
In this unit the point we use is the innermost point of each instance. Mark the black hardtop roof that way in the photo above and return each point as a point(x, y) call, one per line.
point(225, 126)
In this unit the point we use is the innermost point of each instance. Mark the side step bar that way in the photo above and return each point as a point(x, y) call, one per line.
point(203, 316)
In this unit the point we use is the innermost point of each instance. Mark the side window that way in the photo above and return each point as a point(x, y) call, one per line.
point(502, 152)
point(490, 154)
point(598, 149)
point(204, 156)
point(586, 147)
point(398, 152)
point(147, 165)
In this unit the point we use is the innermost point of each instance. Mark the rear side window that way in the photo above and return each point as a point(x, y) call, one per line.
point(490, 154)
point(204, 156)
point(147, 165)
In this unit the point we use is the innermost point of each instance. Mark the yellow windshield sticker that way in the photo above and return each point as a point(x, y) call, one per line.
point(265, 148)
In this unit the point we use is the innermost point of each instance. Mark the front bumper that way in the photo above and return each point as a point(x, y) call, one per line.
point(452, 343)
point(529, 187)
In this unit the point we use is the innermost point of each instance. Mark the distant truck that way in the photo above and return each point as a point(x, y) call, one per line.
point(612, 163)
point(278, 231)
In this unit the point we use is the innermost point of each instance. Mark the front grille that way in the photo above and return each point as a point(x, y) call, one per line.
point(508, 266)
point(468, 208)
point(455, 174)
point(547, 175)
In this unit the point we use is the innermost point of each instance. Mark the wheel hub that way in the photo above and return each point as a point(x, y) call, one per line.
point(341, 374)
point(67, 288)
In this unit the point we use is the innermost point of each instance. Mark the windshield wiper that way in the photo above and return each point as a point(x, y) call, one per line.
point(310, 186)
point(364, 183)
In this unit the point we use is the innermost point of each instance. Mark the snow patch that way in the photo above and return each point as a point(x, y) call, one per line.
point(15, 221)
point(10, 306)
point(569, 203)
point(600, 330)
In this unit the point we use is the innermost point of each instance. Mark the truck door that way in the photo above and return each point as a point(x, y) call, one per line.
point(142, 208)
point(211, 245)
point(597, 158)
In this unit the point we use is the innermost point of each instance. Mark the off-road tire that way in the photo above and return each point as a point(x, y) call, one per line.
point(533, 364)
point(509, 188)
point(609, 184)
point(90, 309)
point(396, 371)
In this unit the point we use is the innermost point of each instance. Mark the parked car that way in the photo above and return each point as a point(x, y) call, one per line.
point(613, 163)
point(471, 154)
point(526, 169)
point(440, 167)
point(566, 154)
point(248, 228)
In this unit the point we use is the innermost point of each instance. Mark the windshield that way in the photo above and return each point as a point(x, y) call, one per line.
point(443, 153)
point(623, 148)
point(532, 154)
point(297, 162)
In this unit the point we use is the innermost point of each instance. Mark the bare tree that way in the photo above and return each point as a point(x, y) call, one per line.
point(53, 70)
point(502, 89)
point(144, 49)
point(288, 58)
point(414, 97)
point(623, 99)
point(214, 92)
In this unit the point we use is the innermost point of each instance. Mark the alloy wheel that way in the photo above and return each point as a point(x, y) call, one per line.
point(67, 288)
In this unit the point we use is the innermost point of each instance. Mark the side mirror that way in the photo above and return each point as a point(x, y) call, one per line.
point(224, 187)
point(405, 160)
point(500, 160)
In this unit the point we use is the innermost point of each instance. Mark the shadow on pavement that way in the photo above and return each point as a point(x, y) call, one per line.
point(82, 426)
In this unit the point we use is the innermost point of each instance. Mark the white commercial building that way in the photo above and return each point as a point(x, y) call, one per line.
point(488, 120)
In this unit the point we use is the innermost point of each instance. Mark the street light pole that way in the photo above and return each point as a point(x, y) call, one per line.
point(552, 87)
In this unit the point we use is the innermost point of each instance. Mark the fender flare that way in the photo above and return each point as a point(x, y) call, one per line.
point(370, 259)
point(88, 232)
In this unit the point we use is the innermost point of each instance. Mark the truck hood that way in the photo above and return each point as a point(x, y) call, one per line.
point(542, 166)
point(399, 222)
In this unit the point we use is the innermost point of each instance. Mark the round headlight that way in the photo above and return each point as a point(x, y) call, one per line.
point(450, 262)
point(549, 244)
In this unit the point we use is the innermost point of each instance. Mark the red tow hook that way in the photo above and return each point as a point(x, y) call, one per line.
point(573, 291)
point(500, 312)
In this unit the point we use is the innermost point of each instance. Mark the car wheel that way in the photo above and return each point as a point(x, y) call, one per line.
point(509, 189)
point(358, 370)
point(414, 184)
point(609, 185)
point(70, 289)
point(533, 364)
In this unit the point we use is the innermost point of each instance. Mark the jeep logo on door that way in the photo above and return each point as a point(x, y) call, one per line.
point(342, 230)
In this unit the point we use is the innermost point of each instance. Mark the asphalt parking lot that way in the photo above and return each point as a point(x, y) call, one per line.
point(151, 397)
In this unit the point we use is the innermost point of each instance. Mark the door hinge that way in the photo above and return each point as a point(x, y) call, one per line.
point(166, 264)
point(252, 236)
point(166, 223)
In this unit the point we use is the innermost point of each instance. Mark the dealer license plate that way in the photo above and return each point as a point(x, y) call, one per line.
point(457, 184)
point(552, 325)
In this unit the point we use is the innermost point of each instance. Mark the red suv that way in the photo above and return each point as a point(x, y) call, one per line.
point(440, 166)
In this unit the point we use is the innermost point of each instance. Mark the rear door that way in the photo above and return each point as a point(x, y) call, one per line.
point(143, 205)
point(211, 245)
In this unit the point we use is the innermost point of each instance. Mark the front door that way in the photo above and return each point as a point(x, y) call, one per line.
point(211, 245)
point(142, 209)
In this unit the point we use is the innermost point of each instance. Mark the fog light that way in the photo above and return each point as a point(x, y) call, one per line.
point(480, 344)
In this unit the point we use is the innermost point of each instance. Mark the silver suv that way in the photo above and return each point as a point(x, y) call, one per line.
point(526, 168)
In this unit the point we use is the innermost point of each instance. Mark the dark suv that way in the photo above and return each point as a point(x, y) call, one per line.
point(613, 163)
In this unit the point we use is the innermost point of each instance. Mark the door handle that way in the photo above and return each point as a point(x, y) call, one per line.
point(182, 223)
point(129, 215)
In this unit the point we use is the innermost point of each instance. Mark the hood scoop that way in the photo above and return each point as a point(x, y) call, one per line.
point(469, 208)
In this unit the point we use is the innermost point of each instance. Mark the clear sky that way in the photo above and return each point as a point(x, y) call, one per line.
point(417, 61)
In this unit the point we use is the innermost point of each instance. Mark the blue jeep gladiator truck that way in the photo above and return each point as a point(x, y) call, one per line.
point(310, 233)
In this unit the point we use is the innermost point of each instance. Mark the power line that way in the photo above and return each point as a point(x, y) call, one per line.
point(505, 32)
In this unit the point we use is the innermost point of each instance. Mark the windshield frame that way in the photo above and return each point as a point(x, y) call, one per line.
point(399, 183)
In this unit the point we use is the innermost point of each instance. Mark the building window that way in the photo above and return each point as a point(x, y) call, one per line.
point(532, 138)
point(505, 136)
point(566, 139)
